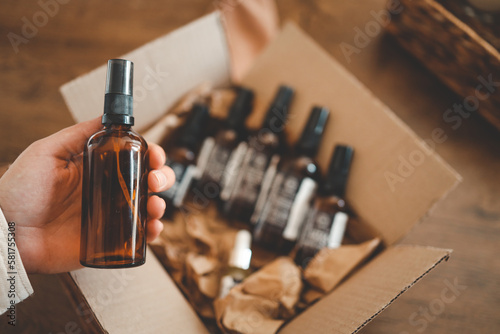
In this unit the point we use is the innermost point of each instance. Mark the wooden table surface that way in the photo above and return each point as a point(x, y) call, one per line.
point(84, 34)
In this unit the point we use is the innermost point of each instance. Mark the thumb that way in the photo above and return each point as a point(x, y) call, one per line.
point(71, 140)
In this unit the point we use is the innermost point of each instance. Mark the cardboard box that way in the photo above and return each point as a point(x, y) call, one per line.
point(395, 180)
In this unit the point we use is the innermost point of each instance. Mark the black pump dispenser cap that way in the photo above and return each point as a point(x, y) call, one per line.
point(338, 171)
point(193, 129)
point(240, 109)
point(118, 100)
point(278, 110)
point(310, 139)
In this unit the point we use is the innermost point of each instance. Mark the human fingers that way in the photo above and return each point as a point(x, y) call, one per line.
point(72, 140)
point(157, 156)
point(154, 229)
point(161, 179)
point(156, 207)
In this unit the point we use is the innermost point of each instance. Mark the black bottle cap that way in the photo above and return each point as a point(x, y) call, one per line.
point(194, 128)
point(278, 110)
point(118, 100)
point(338, 172)
point(310, 139)
point(240, 109)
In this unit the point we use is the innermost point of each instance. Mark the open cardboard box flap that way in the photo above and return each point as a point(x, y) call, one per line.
point(394, 182)
point(368, 292)
point(136, 300)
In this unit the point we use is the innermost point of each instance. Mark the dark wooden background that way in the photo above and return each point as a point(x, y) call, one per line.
point(84, 34)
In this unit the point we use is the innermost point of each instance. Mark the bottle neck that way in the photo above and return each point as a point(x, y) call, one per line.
point(117, 127)
point(118, 109)
point(334, 190)
point(310, 138)
point(302, 151)
point(228, 135)
point(193, 130)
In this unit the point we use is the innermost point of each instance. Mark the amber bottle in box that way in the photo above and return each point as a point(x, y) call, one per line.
point(259, 162)
point(182, 154)
point(278, 217)
point(220, 155)
point(115, 188)
point(327, 220)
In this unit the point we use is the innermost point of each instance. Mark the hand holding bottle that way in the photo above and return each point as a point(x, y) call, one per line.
point(41, 193)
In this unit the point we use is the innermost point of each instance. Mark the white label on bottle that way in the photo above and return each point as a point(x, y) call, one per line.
point(249, 180)
point(180, 194)
point(204, 155)
point(316, 230)
point(337, 230)
point(265, 188)
point(231, 171)
point(260, 215)
point(299, 208)
point(216, 165)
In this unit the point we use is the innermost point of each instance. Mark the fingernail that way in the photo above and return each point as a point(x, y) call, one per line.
point(160, 178)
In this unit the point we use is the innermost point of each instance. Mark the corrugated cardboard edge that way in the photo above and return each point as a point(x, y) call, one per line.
point(80, 304)
point(358, 309)
point(443, 258)
point(140, 299)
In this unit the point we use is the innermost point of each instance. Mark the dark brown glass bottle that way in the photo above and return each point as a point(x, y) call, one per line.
point(181, 157)
point(115, 188)
point(278, 222)
point(217, 151)
point(327, 220)
point(260, 160)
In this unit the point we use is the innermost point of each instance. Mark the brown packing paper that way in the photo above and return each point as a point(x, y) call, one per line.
point(368, 291)
point(201, 282)
point(330, 266)
point(203, 271)
point(272, 293)
point(309, 296)
point(194, 246)
point(263, 301)
point(280, 280)
point(248, 314)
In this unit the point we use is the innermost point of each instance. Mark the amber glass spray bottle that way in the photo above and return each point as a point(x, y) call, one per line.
point(278, 223)
point(260, 160)
point(115, 188)
point(326, 224)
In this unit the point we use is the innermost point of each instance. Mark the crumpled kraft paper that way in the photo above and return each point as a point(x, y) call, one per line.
point(327, 269)
point(263, 301)
point(193, 247)
point(242, 313)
